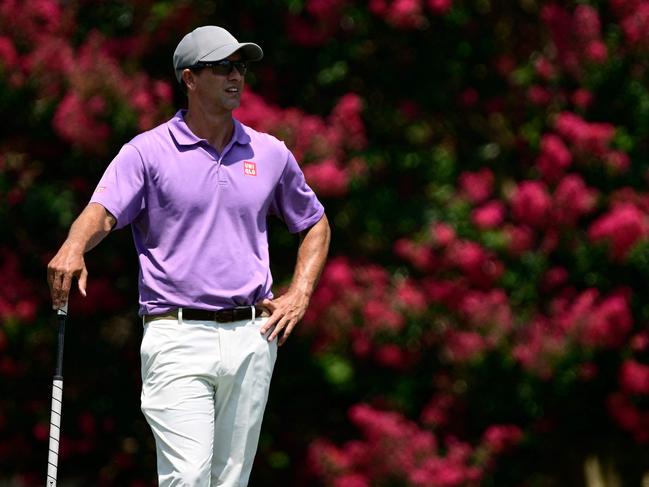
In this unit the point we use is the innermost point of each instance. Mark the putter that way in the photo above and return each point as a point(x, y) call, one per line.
point(57, 398)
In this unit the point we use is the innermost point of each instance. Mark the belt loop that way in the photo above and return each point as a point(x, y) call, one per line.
point(253, 312)
point(180, 316)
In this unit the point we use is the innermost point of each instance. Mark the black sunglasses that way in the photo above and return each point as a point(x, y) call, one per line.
point(222, 67)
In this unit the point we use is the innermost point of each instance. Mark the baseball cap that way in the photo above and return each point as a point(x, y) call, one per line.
point(210, 43)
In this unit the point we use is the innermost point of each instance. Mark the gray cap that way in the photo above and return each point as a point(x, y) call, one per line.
point(211, 43)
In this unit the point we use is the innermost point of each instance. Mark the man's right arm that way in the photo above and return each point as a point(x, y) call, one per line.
point(90, 228)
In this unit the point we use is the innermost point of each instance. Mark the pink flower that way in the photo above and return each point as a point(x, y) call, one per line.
point(347, 116)
point(327, 178)
point(73, 124)
point(338, 273)
point(476, 186)
point(554, 159)
point(623, 226)
point(443, 234)
point(634, 377)
point(624, 412)
point(392, 356)
point(403, 14)
point(378, 7)
point(572, 200)
point(439, 410)
point(539, 95)
point(475, 262)
point(464, 346)
point(502, 437)
point(587, 23)
point(593, 138)
point(554, 278)
point(488, 311)
point(419, 255)
point(560, 24)
point(609, 323)
point(410, 296)
point(636, 25)
point(8, 54)
point(520, 239)
point(545, 69)
point(324, 9)
point(639, 343)
point(380, 315)
point(596, 52)
point(582, 98)
point(490, 215)
point(531, 203)
point(352, 480)
point(439, 7)
point(446, 292)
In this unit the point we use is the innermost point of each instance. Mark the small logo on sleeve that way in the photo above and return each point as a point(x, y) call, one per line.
point(100, 189)
point(249, 168)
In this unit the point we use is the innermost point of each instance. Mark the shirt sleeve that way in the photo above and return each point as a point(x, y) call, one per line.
point(294, 202)
point(121, 188)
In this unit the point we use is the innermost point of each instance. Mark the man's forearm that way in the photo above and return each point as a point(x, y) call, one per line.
point(90, 228)
point(311, 257)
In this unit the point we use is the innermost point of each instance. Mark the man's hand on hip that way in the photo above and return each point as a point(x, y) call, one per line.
point(286, 311)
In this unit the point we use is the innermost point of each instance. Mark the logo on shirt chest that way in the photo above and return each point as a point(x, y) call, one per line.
point(249, 168)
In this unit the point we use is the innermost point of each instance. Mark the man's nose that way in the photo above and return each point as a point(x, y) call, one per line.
point(234, 75)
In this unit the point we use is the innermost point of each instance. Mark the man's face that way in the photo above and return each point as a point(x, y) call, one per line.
point(223, 90)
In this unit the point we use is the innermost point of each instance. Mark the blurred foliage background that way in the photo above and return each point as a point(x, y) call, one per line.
point(482, 319)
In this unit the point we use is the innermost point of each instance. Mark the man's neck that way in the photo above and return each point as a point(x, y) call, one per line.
point(216, 128)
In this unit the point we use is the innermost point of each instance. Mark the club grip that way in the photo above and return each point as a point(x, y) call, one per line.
point(55, 431)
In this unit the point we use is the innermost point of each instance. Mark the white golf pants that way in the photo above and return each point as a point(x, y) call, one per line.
point(204, 391)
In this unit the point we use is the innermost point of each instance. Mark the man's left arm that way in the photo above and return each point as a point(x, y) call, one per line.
point(289, 308)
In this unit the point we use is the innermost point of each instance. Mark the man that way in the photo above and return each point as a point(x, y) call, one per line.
point(197, 191)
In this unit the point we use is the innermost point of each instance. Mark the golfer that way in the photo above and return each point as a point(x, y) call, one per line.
point(197, 191)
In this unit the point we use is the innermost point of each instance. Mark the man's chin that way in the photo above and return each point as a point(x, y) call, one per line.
point(232, 104)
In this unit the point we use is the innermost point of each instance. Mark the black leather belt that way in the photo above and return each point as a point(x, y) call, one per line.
point(226, 315)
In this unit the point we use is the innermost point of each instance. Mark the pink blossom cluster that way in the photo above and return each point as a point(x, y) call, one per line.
point(623, 226)
point(624, 405)
point(408, 14)
point(18, 297)
point(536, 213)
point(86, 83)
point(531, 206)
point(576, 36)
point(578, 141)
point(634, 20)
point(319, 21)
point(393, 447)
point(324, 146)
point(363, 305)
point(584, 319)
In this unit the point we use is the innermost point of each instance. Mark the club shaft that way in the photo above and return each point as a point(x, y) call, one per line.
point(59, 349)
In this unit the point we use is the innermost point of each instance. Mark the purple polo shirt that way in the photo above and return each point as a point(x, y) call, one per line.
point(199, 217)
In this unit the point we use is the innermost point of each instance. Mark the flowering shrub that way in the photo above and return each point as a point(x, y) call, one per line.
point(481, 320)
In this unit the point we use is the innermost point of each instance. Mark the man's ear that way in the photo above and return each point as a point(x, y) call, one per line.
point(188, 77)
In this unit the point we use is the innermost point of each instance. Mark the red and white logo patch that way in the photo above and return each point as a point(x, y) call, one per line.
point(249, 168)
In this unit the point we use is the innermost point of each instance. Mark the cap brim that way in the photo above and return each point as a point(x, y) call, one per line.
point(249, 50)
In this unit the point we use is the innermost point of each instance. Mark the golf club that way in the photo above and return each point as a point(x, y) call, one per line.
point(57, 398)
